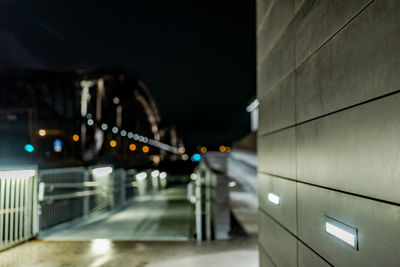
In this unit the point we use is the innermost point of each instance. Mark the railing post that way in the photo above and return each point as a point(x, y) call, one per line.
point(110, 189)
point(86, 199)
point(208, 204)
point(123, 186)
point(35, 213)
point(199, 226)
point(2, 209)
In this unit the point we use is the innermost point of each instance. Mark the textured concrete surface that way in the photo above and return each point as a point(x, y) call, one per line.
point(368, 135)
point(331, 17)
point(280, 245)
point(163, 216)
point(328, 86)
point(377, 224)
point(308, 258)
point(277, 153)
point(286, 211)
point(278, 107)
point(361, 62)
point(103, 252)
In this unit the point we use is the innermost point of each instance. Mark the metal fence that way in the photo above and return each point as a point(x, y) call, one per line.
point(68, 194)
point(72, 193)
point(18, 206)
point(31, 201)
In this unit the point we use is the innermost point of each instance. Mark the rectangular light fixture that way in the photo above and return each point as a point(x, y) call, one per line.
point(343, 232)
point(273, 198)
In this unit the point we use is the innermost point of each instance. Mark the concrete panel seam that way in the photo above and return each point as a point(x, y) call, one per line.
point(264, 17)
point(277, 222)
point(276, 131)
point(278, 83)
point(260, 62)
point(295, 236)
point(333, 189)
point(266, 253)
point(316, 253)
point(330, 113)
point(334, 34)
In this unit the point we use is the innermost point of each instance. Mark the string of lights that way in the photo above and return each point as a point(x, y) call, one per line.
point(135, 136)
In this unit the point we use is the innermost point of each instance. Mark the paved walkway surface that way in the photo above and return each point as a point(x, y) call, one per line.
point(102, 252)
point(162, 216)
point(125, 239)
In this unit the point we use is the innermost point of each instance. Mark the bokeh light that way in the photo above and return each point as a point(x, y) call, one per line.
point(113, 143)
point(132, 147)
point(196, 157)
point(75, 137)
point(42, 132)
point(145, 149)
point(29, 148)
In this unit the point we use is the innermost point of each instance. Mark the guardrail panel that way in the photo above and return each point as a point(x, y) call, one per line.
point(18, 206)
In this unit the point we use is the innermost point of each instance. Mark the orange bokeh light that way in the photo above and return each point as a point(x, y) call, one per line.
point(113, 143)
point(42, 132)
point(203, 149)
point(222, 148)
point(132, 147)
point(145, 149)
point(75, 137)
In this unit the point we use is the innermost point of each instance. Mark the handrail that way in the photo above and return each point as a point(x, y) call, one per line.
point(68, 194)
point(72, 185)
point(74, 195)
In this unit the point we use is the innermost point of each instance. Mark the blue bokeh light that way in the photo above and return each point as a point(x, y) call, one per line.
point(29, 148)
point(196, 157)
point(57, 143)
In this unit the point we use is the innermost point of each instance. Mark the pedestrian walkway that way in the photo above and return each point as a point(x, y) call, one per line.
point(165, 215)
point(106, 253)
point(127, 238)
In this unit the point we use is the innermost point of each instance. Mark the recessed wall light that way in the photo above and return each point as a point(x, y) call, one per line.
point(343, 232)
point(273, 198)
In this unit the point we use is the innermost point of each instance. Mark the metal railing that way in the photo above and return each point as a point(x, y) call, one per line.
point(68, 194)
point(32, 200)
point(118, 187)
point(72, 193)
point(18, 206)
point(130, 184)
point(211, 197)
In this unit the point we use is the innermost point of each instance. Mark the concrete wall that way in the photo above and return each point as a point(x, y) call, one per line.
point(329, 132)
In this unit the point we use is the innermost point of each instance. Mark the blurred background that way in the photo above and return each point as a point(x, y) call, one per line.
point(182, 74)
point(126, 121)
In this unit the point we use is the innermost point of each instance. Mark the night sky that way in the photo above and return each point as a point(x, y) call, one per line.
point(197, 57)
